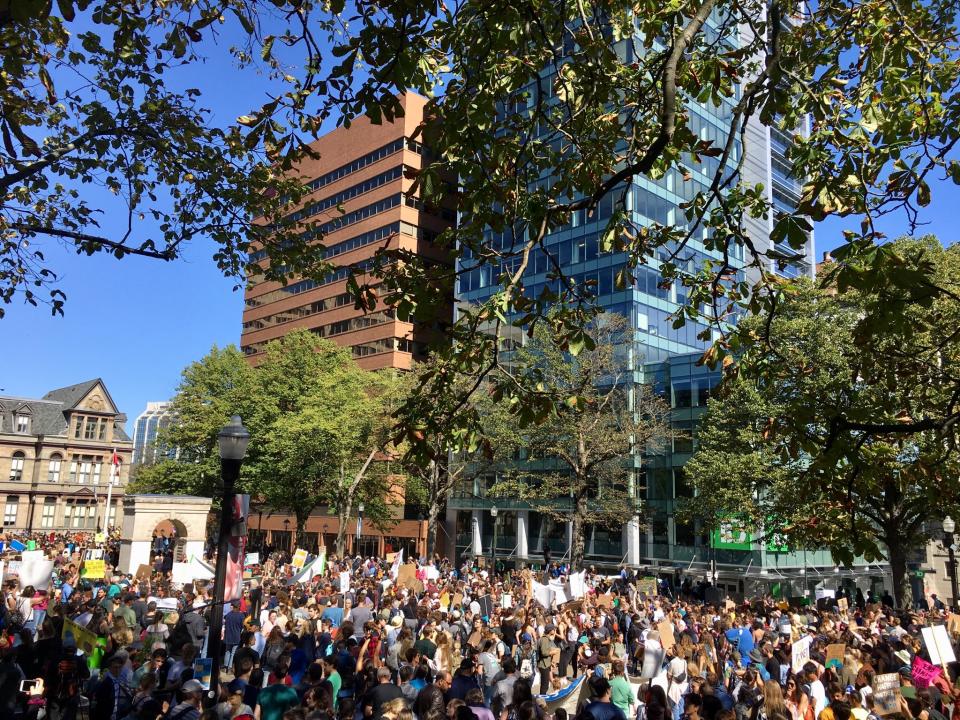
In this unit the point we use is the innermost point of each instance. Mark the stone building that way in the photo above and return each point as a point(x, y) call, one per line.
point(55, 459)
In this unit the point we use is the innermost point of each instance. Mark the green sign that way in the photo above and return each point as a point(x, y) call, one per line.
point(918, 573)
point(731, 535)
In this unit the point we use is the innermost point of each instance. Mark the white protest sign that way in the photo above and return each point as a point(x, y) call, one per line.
point(800, 654)
point(169, 604)
point(35, 570)
point(345, 581)
point(182, 573)
point(543, 594)
point(821, 592)
point(578, 584)
point(559, 590)
point(938, 645)
point(432, 572)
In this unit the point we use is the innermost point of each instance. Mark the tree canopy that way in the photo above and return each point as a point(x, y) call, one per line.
point(575, 464)
point(829, 431)
point(591, 94)
point(319, 428)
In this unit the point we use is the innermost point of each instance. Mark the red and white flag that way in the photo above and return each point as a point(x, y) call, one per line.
point(115, 469)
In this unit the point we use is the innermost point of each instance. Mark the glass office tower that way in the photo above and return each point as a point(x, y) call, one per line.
point(663, 356)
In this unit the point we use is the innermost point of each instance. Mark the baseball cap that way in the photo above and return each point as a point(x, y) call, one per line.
point(192, 686)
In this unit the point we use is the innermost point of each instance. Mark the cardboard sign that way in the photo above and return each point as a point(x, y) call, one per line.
point(299, 558)
point(886, 694)
point(605, 600)
point(475, 639)
point(94, 569)
point(843, 604)
point(729, 605)
point(938, 645)
point(406, 575)
point(799, 654)
point(835, 655)
point(953, 623)
point(667, 639)
point(923, 672)
point(457, 602)
point(144, 572)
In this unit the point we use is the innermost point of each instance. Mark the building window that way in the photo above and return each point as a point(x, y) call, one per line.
point(90, 432)
point(16, 466)
point(78, 427)
point(53, 471)
point(85, 469)
point(10, 511)
point(102, 432)
point(49, 512)
point(79, 515)
point(23, 423)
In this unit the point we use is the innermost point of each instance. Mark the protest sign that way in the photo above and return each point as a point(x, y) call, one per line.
point(93, 554)
point(94, 569)
point(506, 601)
point(821, 593)
point(17, 546)
point(886, 694)
point(445, 600)
point(542, 594)
point(486, 606)
point(647, 586)
point(407, 576)
point(729, 605)
point(345, 581)
point(13, 568)
point(605, 600)
point(559, 590)
point(799, 654)
point(578, 584)
point(143, 572)
point(203, 671)
point(953, 623)
point(843, 604)
point(835, 653)
point(938, 645)
point(432, 573)
point(390, 556)
point(182, 573)
point(457, 602)
point(923, 672)
point(251, 559)
point(299, 558)
point(167, 604)
point(35, 569)
point(667, 638)
point(85, 639)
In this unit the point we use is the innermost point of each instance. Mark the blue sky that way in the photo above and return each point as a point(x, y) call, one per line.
point(137, 323)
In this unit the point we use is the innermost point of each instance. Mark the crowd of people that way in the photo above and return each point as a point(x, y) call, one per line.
point(374, 639)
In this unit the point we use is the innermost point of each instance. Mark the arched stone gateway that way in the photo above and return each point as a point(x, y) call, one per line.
point(142, 514)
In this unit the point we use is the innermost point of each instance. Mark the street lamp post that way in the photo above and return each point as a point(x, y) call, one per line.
point(286, 534)
point(493, 549)
point(359, 526)
point(232, 440)
point(948, 527)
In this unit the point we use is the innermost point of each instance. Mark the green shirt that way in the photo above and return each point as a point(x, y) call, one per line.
point(274, 700)
point(621, 694)
point(335, 682)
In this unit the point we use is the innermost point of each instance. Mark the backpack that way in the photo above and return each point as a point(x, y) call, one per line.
point(68, 685)
point(526, 668)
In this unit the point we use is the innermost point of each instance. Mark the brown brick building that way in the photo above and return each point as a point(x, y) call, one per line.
point(361, 200)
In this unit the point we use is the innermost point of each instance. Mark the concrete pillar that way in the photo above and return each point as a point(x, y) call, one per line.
point(477, 544)
point(631, 541)
point(523, 523)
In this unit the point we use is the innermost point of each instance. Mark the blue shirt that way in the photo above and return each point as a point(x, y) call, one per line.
point(334, 615)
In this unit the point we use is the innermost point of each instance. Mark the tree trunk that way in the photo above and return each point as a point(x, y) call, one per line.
point(897, 555)
point(577, 543)
point(434, 503)
point(301, 527)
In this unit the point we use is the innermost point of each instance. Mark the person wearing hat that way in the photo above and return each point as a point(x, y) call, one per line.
point(189, 707)
point(464, 681)
point(233, 705)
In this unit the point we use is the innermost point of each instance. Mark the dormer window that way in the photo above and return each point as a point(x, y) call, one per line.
point(22, 423)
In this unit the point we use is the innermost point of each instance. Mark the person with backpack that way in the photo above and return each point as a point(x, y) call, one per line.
point(548, 652)
point(526, 657)
point(64, 679)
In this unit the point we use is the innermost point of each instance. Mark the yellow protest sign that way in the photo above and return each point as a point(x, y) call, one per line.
point(85, 639)
point(299, 558)
point(94, 569)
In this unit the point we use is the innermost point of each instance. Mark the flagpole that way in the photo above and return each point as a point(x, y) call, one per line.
point(106, 516)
